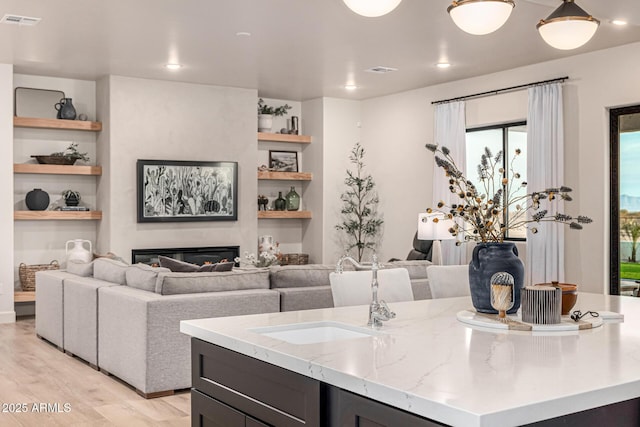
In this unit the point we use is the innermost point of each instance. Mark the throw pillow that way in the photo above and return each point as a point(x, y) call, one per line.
point(82, 269)
point(110, 270)
point(143, 276)
point(178, 266)
point(223, 266)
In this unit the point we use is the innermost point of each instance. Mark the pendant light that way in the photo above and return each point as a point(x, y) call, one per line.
point(568, 27)
point(479, 17)
point(372, 8)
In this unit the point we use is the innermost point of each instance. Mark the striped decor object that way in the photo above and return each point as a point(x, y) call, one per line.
point(541, 305)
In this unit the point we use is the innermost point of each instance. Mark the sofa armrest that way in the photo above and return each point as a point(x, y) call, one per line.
point(139, 337)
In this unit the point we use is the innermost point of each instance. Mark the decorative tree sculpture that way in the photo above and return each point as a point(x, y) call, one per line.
point(360, 220)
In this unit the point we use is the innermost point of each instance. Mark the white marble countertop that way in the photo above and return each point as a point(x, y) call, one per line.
point(427, 362)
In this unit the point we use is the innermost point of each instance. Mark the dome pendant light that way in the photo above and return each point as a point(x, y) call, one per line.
point(479, 17)
point(568, 27)
point(372, 8)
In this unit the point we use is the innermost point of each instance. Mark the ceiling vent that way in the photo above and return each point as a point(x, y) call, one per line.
point(20, 20)
point(381, 70)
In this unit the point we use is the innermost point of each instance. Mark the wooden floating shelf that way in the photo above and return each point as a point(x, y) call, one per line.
point(33, 122)
point(283, 137)
point(285, 176)
point(56, 169)
point(57, 215)
point(24, 296)
point(284, 214)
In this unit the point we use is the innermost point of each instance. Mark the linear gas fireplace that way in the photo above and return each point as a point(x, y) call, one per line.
point(198, 256)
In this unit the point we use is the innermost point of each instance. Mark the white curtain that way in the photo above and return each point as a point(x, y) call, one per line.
point(450, 131)
point(545, 169)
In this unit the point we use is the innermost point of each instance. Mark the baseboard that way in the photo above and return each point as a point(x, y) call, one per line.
point(7, 317)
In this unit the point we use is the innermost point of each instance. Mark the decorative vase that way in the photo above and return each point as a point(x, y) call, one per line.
point(265, 244)
point(78, 252)
point(66, 110)
point(72, 200)
point(265, 122)
point(280, 204)
point(293, 200)
point(37, 200)
point(488, 259)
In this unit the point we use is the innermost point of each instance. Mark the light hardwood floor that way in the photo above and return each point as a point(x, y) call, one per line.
point(33, 371)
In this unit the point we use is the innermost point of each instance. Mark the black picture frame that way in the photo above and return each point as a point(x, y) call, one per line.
point(283, 161)
point(180, 191)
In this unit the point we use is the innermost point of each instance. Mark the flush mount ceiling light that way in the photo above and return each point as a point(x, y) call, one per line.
point(568, 27)
point(372, 8)
point(479, 17)
point(173, 66)
point(350, 87)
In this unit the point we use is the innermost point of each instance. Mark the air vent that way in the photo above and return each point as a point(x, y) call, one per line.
point(20, 20)
point(381, 70)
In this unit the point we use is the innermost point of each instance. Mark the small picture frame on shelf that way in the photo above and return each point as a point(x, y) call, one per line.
point(283, 161)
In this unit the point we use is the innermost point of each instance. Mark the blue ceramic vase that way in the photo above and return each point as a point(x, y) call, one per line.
point(488, 259)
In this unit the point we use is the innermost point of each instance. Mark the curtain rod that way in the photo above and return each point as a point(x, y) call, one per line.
point(497, 91)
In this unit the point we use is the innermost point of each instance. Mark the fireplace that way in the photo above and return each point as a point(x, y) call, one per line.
point(198, 256)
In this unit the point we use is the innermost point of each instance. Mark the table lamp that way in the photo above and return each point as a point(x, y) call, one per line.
point(428, 229)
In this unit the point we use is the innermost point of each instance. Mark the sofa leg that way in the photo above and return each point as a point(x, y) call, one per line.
point(49, 342)
point(95, 367)
point(68, 353)
point(156, 394)
point(104, 372)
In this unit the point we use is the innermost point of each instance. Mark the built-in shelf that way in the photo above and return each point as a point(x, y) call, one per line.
point(57, 215)
point(284, 214)
point(56, 169)
point(24, 296)
point(283, 137)
point(285, 176)
point(33, 122)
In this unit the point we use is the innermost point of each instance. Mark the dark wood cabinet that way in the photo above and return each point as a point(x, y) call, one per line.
point(265, 393)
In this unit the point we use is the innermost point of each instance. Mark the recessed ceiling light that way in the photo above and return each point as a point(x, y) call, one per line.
point(243, 34)
point(350, 87)
point(443, 65)
point(619, 22)
point(173, 66)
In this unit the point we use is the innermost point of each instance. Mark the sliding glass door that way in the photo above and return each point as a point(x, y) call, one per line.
point(625, 201)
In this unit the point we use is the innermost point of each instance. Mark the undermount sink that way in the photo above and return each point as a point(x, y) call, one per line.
point(314, 332)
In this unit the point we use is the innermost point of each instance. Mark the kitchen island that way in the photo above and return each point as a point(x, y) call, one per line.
point(423, 368)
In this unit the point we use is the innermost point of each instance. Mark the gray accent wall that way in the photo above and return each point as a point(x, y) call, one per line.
point(153, 119)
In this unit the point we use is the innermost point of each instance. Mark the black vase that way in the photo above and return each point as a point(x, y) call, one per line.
point(37, 200)
point(280, 203)
point(488, 259)
point(72, 200)
point(66, 110)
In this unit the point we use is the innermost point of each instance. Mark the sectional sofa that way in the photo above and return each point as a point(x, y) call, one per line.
point(124, 319)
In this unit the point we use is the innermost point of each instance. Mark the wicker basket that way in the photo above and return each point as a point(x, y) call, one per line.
point(294, 259)
point(27, 273)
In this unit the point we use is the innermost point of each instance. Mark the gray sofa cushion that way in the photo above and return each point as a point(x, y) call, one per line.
point(417, 268)
point(83, 269)
point(223, 266)
point(110, 270)
point(143, 276)
point(188, 283)
point(293, 299)
point(298, 276)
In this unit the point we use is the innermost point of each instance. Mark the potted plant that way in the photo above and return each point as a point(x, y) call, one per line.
point(266, 113)
point(71, 197)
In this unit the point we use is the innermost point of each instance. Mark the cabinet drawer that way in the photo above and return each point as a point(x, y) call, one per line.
point(208, 412)
point(351, 410)
point(269, 393)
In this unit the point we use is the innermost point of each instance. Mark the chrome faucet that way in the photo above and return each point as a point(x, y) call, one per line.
point(378, 310)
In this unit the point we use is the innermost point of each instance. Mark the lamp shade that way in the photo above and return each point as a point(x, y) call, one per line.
point(479, 17)
point(428, 229)
point(372, 8)
point(568, 27)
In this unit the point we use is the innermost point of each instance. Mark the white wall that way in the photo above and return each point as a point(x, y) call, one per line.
point(399, 125)
point(40, 242)
point(152, 119)
point(7, 314)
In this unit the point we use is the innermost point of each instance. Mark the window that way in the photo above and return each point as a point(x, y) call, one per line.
point(506, 138)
